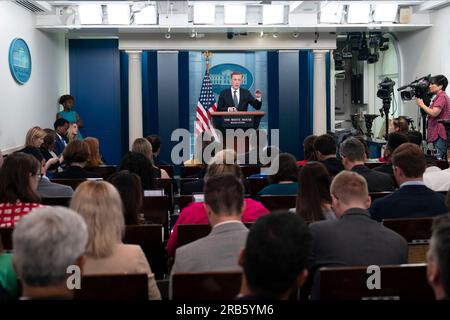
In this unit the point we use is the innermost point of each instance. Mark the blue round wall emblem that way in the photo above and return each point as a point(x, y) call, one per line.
point(20, 60)
point(221, 76)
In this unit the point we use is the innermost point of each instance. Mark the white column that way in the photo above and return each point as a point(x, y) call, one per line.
point(320, 93)
point(134, 95)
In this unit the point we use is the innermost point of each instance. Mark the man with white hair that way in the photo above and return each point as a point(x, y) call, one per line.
point(46, 242)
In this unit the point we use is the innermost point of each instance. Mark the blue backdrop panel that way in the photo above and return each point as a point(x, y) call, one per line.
point(168, 100)
point(95, 84)
point(306, 90)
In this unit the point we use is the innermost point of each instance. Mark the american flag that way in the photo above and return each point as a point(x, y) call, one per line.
point(206, 104)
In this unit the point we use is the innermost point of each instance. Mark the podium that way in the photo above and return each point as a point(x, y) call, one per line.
point(244, 120)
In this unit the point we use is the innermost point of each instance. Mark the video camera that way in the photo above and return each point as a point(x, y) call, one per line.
point(386, 88)
point(417, 89)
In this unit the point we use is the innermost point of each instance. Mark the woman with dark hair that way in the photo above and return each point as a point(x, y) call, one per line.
point(67, 101)
point(284, 182)
point(313, 197)
point(19, 178)
point(308, 150)
point(47, 150)
point(76, 155)
point(130, 189)
point(139, 164)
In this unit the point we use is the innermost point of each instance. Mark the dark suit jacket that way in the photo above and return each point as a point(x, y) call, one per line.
point(59, 145)
point(409, 202)
point(354, 239)
point(334, 166)
point(75, 172)
point(376, 181)
point(245, 98)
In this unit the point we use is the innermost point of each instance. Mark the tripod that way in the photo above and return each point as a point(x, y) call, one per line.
point(386, 107)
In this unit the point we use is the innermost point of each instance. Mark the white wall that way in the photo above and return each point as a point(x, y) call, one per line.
point(34, 103)
point(426, 51)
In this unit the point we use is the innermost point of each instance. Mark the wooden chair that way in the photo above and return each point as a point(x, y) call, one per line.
point(156, 210)
point(167, 186)
point(105, 171)
point(206, 286)
point(113, 287)
point(248, 170)
point(6, 237)
point(169, 169)
point(184, 201)
point(442, 164)
point(257, 184)
point(417, 231)
point(151, 239)
point(74, 183)
point(188, 233)
point(378, 195)
point(278, 202)
point(404, 282)
point(191, 171)
point(56, 201)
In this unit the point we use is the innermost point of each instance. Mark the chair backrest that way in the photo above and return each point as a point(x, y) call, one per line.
point(248, 170)
point(184, 201)
point(167, 186)
point(150, 238)
point(74, 183)
point(378, 195)
point(257, 184)
point(168, 168)
point(278, 202)
point(105, 171)
point(403, 282)
point(188, 233)
point(6, 237)
point(206, 286)
point(156, 210)
point(113, 287)
point(56, 201)
point(190, 171)
point(442, 164)
point(414, 230)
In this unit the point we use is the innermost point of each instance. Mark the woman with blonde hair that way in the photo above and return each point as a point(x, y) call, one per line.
point(142, 146)
point(99, 203)
point(72, 132)
point(33, 142)
point(95, 159)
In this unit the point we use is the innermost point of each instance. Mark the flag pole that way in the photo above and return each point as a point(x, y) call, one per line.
point(207, 54)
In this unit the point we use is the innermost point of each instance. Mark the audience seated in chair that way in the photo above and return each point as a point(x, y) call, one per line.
point(95, 159)
point(284, 181)
point(308, 150)
point(435, 178)
point(438, 258)
point(46, 242)
point(61, 126)
point(195, 213)
point(354, 238)
point(76, 155)
point(353, 158)
point(394, 140)
point(219, 251)
point(325, 147)
point(139, 164)
point(313, 197)
point(99, 203)
point(47, 150)
point(155, 141)
point(142, 146)
point(275, 257)
point(220, 167)
point(129, 186)
point(19, 177)
point(413, 199)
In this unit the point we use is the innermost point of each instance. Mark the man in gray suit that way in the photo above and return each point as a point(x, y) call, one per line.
point(354, 238)
point(219, 251)
point(48, 189)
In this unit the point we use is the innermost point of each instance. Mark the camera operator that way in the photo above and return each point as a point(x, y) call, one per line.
point(438, 109)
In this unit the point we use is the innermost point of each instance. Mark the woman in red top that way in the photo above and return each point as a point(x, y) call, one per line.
point(19, 178)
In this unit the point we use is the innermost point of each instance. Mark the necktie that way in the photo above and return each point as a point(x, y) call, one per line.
point(235, 99)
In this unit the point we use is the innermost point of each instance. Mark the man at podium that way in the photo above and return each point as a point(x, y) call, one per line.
point(236, 98)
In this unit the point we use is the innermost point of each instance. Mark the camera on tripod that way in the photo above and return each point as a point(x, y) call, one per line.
point(386, 88)
point(417, 89)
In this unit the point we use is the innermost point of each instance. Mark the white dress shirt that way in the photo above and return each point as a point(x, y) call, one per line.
point(437, 179)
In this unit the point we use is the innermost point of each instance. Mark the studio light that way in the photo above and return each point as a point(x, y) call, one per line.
point(358, 13)
point(118, 13)
point(204, 13)
point(90, 13)
point(331, 12)
point(235, 14)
